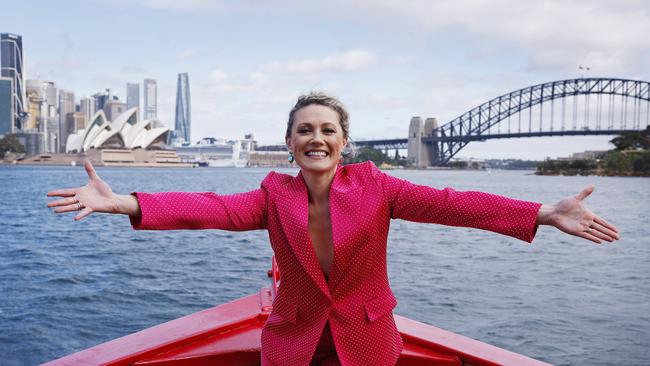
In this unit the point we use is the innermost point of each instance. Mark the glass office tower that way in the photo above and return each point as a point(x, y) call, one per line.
point(133, 96)
point(183, 115)
point(150, 99)
point(11, 66)
point(6, 106)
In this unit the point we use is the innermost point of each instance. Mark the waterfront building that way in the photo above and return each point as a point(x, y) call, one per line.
point(51, 118)
point(42, 117)
point(216, 152)
point(133, 96)
point(11, 66)
point(6, 106)
point(76, 121)
point(102, 98)
point(87, 107)
point(125, 141)
point(114, 108)
point(124, 132)
point(50, 93)
point(31, 140)
point(66, 106)
point(36, 106)
point(150, 99)
point(183, 109)
point(38, 109)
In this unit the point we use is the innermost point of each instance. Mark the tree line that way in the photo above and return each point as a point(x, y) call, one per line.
point(630, 157)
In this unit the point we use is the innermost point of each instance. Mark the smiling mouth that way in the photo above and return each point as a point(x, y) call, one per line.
point(316, 154)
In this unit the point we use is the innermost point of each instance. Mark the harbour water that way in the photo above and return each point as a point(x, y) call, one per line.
point(66, 286)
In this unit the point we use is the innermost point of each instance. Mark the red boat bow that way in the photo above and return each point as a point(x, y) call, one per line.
point(229, 334)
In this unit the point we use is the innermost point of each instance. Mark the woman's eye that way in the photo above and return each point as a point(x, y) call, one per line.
point(329, 130)
point(303, 130)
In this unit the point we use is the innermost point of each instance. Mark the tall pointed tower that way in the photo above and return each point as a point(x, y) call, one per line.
point(183, 109)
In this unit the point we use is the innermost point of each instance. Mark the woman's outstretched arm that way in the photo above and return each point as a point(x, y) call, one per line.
point(95, 196)
point(571, 216)
point(496, 213)
point(165, 210)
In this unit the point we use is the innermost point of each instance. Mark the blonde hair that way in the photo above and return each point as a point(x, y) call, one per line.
point(320, 98)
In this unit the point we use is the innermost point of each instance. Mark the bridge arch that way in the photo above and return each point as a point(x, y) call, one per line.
point(474, 124)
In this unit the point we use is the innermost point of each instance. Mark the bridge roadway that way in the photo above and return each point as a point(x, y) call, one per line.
point(392, 144)
point(402, 143)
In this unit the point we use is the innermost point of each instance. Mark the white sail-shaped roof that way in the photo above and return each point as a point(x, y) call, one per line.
point(123, 132)
point(97, 125)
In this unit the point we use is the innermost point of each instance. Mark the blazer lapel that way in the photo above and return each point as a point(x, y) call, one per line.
point(345, 194)
point(293, 209)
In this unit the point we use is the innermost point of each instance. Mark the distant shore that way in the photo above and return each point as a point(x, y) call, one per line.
point(613, 163)
point(106, 157)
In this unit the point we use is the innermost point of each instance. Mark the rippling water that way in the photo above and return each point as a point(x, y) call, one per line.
point(66, 286)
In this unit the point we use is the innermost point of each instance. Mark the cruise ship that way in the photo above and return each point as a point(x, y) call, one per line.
point(217, 152)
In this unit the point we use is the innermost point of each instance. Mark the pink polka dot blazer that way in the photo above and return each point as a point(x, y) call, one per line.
point(357, 301)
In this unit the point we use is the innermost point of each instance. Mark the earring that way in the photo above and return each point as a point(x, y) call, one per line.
point(290, 157)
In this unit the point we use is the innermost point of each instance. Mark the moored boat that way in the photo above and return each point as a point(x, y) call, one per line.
point(229, 334)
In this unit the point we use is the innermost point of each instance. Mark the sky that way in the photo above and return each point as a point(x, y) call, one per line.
point(387, 60)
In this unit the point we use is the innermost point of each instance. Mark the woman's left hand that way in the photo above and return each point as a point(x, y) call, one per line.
point(571, 216)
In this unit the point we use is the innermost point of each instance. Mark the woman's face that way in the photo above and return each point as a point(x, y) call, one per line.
point(316, 139)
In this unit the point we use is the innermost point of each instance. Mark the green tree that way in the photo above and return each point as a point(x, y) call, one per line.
point(459, 164)
point(617, 162)
point(10, 144)
point(641, 163)
point(632, 140)
point(368, 153)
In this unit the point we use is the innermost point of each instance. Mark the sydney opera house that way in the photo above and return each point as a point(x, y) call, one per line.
point(124, 132)
point(123, 141)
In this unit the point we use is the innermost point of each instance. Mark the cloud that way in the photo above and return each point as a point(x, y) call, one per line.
point(402, 60)
point(218, 76)
point(215, 6)
point(187, 54)
point(348, 61)
point(609, 36)
point(133, 68)
point(257, 77)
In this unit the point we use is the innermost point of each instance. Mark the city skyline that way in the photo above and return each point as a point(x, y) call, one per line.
point(388, 62)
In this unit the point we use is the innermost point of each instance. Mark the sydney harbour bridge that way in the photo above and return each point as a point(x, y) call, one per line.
point(574, 107)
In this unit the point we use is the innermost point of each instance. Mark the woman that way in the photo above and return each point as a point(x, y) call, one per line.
point(328, 227)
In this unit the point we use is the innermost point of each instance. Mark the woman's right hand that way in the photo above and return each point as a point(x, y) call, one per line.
point(96, 196)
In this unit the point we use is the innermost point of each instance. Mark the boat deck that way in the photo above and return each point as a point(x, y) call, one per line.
point(229, 334)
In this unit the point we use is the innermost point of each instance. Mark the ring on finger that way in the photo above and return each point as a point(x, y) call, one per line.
point(78, 204)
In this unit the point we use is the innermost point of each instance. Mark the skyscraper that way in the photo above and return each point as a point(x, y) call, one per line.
point(87, 107)
point(183, 115)
point(150, 99)
point(52, 121)
point(38, 109)
point(6, 106)
point(35, 96)
point(102, 98)
point(113, 108)
point(66, 106)
point(133, 96)
point(11, 66)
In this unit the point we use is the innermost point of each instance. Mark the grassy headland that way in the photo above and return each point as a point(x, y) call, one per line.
point(630, 157)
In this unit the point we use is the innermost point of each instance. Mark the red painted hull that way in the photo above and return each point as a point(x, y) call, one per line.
point(229, 334)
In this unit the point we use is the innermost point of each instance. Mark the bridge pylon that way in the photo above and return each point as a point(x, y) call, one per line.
point(422, 154)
